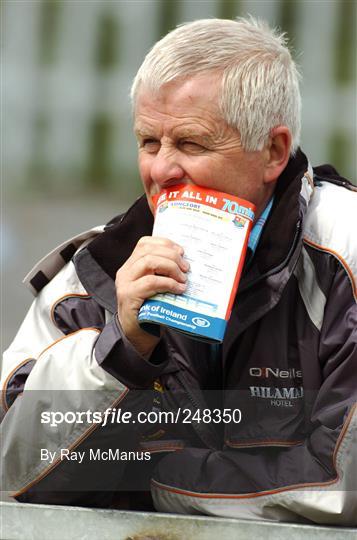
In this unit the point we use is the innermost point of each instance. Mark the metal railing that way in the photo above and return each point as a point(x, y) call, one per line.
point(42, 522)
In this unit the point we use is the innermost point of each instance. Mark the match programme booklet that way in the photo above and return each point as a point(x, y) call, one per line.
point(213, 229)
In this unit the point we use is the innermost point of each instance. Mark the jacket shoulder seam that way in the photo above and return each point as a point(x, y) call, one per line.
point(61, 299)
point(341, 260)
point(67, 336)
point(329, 226)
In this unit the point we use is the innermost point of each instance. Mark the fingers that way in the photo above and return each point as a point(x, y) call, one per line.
point(155, 266)
point(149, 285)
point(155, 256)
point(161, 247)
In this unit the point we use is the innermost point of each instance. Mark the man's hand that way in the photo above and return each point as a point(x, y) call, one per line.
point(156, 265)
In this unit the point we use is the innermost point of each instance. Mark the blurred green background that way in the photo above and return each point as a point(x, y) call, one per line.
point(68, 67)
point(68, 152)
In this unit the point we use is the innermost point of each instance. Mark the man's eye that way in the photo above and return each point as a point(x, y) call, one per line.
point(192, 146)
point(151, 145)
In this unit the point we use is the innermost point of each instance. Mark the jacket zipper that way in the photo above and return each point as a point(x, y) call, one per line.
point(205, 433)
point(281, 265)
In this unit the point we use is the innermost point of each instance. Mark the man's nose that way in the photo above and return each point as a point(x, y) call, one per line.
point(166, 169)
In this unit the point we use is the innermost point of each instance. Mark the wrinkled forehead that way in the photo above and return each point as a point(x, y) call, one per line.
point(196, 96)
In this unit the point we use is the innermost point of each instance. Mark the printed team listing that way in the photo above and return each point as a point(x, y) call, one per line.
point(213, 228)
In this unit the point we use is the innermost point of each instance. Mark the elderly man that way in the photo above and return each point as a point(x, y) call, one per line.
point(216, 104)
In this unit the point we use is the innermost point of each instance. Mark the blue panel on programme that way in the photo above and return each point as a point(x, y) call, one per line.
point(190, 322)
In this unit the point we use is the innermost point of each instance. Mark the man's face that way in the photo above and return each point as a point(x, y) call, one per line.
point(183, 139)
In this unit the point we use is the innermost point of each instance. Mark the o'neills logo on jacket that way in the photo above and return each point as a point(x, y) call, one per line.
point(266, 372)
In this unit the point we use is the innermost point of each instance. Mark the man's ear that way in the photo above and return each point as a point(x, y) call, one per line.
point(277, 153)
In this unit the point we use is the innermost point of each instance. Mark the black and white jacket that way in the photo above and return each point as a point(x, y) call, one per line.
point(288, 363)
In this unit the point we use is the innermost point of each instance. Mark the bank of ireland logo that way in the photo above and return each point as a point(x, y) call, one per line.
point(201, 322)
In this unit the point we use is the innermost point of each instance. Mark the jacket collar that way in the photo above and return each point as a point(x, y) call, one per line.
point(97, 263)
point(264, 279)
point(279, 230)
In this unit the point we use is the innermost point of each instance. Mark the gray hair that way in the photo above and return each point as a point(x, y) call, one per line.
point(260, 80)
